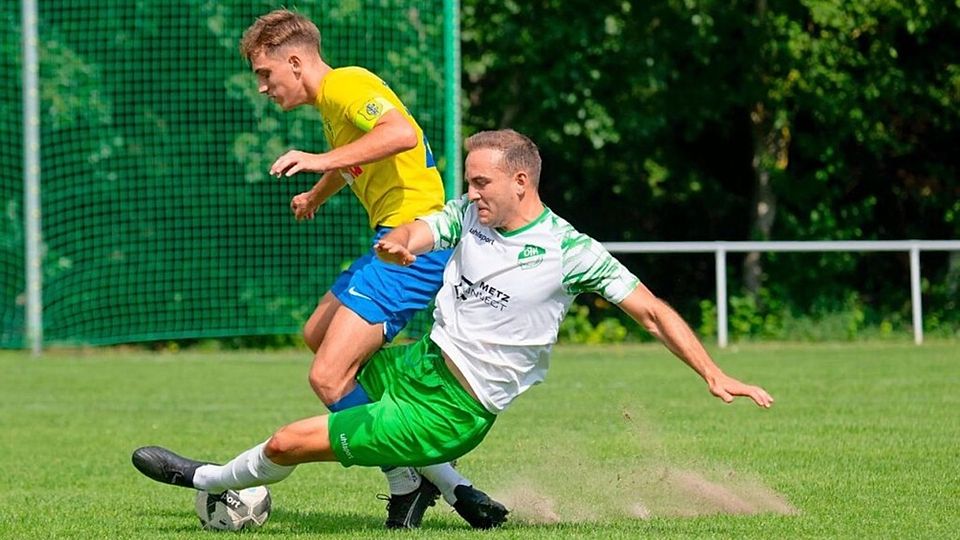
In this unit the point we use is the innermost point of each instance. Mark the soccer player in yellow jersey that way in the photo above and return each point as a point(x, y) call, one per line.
point(379, 150)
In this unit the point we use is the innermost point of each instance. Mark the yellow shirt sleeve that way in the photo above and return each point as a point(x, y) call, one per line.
point(367, 113)
point(361, 100)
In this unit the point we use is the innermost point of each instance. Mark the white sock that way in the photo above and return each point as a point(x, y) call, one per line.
point(251, 468)
point(402, 480)
point(446, 478)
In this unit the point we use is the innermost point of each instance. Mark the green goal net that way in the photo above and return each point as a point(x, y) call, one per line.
point(159, 220)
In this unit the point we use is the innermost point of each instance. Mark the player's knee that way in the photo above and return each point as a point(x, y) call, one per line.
point(329, 385)
point(279, 447)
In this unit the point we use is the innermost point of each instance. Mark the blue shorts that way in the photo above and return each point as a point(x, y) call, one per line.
point(391, 294)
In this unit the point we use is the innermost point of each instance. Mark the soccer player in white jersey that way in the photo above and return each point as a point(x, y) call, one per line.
point(514, 272)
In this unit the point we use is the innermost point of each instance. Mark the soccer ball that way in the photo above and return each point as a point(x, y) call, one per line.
point(234, 510)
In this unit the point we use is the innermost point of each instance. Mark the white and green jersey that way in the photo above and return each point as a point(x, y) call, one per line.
point(504, 295)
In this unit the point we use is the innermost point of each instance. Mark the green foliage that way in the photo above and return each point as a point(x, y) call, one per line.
point(266, 342)
point(941, 301)
point(649, 111)
point(764, 317)
point(577, 327)
point(771, 316)
point(752, 315)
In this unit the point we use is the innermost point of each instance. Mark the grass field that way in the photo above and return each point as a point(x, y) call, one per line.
point(621, 442)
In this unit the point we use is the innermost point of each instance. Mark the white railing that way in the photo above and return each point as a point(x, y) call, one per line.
point(720, 250)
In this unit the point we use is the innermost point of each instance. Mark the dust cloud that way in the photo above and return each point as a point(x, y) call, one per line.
point(561, 483)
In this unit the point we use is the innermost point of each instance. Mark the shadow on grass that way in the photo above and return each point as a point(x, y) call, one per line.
point(289, 523)
point(286, 522)
point(309, 522)
point(301, 521)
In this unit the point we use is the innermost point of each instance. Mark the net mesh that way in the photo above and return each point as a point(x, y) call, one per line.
point(159, 218)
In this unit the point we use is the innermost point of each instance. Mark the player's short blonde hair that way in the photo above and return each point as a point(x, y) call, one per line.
point(519, 152)
point(279, 28)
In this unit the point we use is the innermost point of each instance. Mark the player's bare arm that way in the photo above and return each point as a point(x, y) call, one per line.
point(391, 135)
point(305, 205)
point(403, 244)
point(666, 325)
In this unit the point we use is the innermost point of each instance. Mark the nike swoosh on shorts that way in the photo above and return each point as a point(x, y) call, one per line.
point(354, 292)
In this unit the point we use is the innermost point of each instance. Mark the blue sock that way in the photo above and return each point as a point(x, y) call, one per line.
point(357, 396)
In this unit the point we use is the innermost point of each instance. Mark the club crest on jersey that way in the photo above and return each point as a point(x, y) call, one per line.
point(530, 256)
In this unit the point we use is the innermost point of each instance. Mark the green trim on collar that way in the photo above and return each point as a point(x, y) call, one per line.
point(541, 217)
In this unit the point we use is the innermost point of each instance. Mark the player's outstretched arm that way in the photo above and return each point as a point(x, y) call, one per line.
point(403, 244)
point(666, 325)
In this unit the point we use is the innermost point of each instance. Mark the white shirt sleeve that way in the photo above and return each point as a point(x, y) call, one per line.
point(589, 267)
point(447, 224)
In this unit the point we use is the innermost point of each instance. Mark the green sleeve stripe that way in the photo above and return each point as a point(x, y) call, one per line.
point(447, 224)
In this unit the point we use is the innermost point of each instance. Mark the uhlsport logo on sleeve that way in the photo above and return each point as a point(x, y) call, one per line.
point(530, 256)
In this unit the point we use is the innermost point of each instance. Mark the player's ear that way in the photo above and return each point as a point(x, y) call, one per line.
point(520, 181)
point(295, 64)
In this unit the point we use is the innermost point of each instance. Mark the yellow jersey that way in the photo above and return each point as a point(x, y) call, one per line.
point(396, 189)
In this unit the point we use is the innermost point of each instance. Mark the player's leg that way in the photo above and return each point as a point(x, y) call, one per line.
point(316, 326)
point(303, 441)
point(352, 331)
point(344, 330)
point(350, 340)
point(266, 463)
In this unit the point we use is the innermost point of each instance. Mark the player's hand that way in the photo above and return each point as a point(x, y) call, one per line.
point(392, 252)
point(303, 206)
point(726, 388)
point(296, 161)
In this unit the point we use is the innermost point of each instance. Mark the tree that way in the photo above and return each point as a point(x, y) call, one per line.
point(706, 120)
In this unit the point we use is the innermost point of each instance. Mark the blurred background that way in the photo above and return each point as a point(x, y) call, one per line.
point(672, 120)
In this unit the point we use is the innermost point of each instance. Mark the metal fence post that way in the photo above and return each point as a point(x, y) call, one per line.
point(915, 294)
point(721, 269)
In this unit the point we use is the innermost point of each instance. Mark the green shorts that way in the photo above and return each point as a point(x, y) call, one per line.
point(420, 414)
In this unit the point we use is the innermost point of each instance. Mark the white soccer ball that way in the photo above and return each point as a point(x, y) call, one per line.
point(234, 510)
